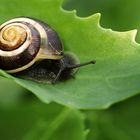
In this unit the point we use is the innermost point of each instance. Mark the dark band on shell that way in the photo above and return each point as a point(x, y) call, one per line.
point(54, 43)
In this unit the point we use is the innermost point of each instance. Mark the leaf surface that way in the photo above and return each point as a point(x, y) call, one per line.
point(116, 75)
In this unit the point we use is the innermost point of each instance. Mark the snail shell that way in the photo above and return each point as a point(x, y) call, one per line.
point(24, 41)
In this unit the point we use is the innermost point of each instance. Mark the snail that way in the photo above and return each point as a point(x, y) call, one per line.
point(31, 49)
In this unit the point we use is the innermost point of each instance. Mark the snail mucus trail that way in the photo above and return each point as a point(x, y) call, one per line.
point(31, 49)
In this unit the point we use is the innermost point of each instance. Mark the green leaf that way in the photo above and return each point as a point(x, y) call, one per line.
point(10, 92)
point(117, 14)
point(120, 122)
point(116, 75)
point(34, 120)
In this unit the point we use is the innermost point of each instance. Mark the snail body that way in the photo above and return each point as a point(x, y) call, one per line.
point(30, 48)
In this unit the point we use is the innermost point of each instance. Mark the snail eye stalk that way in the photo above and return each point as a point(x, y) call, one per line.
point(80, 65)
point(65, 67)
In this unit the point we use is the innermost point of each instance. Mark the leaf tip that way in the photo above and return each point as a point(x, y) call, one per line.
point(86, 133)
point(94, 17)
point(133, 34)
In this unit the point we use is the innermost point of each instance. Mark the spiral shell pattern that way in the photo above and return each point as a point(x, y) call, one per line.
point(23, 41)
point(12, 37)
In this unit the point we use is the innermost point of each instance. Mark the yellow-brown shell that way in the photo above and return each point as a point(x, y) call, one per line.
point(11, 37)
point(23, 41)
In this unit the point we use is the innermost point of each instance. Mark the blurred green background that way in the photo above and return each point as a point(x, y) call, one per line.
point(23, 116)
